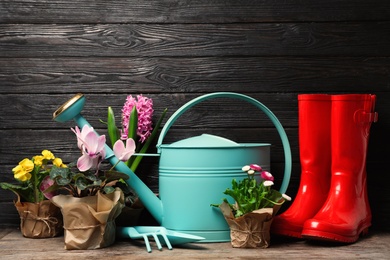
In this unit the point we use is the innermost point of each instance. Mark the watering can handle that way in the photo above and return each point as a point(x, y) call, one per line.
point(272, 117)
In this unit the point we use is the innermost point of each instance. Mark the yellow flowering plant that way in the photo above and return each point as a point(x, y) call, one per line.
point(32, 176)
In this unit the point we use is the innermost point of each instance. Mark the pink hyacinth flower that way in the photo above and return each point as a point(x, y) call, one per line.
point(122, 152)
point(267, 176)
point(145, 111)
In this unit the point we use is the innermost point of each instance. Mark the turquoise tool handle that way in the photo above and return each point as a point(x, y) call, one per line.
point(272, 117)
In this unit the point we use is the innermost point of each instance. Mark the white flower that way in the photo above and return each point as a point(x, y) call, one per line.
point(251, 172)
point(246, 168)
point(268, 183)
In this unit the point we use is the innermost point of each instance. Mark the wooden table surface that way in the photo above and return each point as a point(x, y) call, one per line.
point(14, 246)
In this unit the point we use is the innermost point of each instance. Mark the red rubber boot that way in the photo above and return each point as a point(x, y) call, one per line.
point(314, 111)
point(346, 213)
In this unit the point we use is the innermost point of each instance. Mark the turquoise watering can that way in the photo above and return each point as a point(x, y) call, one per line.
point(194, 172)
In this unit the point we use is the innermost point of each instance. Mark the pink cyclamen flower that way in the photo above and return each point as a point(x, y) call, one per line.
point(145, 111)
point(267, 176)
point(91, 146)
point(81, 134)
point(256, 167)
point(122, 152)
point(45, 184)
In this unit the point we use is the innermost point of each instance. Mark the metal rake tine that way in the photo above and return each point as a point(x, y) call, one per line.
point(157, 241)
point(146, 239)
point(166, 241)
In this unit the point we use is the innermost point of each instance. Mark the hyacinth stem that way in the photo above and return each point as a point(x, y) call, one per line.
point(144, 149)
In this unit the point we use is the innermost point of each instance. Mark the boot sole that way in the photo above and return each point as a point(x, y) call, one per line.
point(291, 231)
point(333, 237)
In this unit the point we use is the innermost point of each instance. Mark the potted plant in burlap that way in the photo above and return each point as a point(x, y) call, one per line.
point(39, 218)
point(256, 203)
point(93, 201)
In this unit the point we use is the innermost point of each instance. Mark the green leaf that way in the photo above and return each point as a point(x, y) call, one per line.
point(112, 129)
point(60, 172)
point(108, 189)
point(145, 147)
point(115, 175)
point(133, 124)
point(63, 181)
point(90, 176)
point(24, 191)
point(81, 183)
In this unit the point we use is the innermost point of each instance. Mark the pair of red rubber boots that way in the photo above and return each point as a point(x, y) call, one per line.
point(331, 203)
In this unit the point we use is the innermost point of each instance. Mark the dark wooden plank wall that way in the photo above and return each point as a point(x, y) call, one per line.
point(174, 51)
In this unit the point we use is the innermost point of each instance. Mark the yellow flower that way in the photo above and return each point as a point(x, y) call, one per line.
point(38, 160)
point(27, 164)
point(23, 169)
point(58, 162)
point(48, 155)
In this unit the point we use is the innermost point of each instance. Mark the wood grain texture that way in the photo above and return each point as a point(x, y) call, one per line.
point(200, 11)
point(374, 246)
point(181, 75)
point(249, 39)
point(174, 51)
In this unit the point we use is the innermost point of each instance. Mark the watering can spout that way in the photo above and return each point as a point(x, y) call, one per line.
point(147, 197)
point(71, 111)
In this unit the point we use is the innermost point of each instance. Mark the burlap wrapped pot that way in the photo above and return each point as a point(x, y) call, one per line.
point(39, 220)
point(251, 230)
point(89, 222)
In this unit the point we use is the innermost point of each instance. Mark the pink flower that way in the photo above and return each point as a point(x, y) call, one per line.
point(256, 167)
point(145, 111)
point(267, 176)
point(45, 184)
point(91, 146)
point(81, 135)
point(124, 153)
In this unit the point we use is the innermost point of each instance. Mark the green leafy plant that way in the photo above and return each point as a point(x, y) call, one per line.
point(82, 184)
point(250, 195)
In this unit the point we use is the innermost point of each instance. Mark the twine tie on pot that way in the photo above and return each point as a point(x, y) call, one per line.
point(47, 220)
point(254, 235)
point(85, 227)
